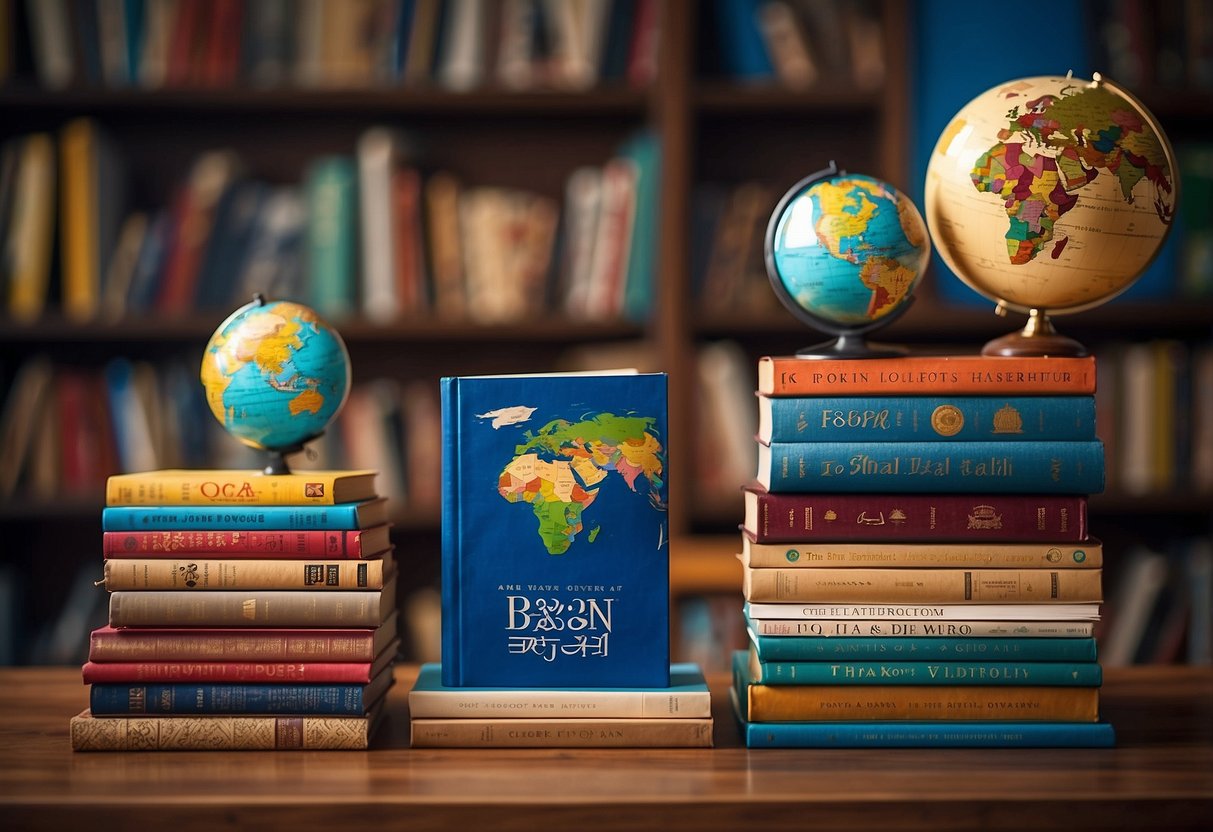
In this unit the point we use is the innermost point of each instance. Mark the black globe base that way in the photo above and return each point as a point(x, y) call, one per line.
point(852, 346)
point(277, 461)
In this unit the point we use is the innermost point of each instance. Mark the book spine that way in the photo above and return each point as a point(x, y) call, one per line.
point(1087, 555)
point(561, 733)
point(452, 619)
point(925, 419)
point(829, 703)
point(978, 586)
point(242, 518)
point(167, 573)
point(231, 608)
point(778, 648)
point(1076, 674)
point(294, 673)
point(969, 467)
point(218, 733)
point(219, 488)
point(940, 734)
point(529, 704)
point(318, 700)
point(928, 612)
point(107, 645)
point(928, 375)
point(232, 544)
point(796, 518)
point(828, 628)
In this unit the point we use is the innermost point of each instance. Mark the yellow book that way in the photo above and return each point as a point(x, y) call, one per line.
point(182, 487)
point(28, 247)
point(80, 245)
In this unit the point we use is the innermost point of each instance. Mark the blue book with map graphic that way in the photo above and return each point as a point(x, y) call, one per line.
point(555, 535)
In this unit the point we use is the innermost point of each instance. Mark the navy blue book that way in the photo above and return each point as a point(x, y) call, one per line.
point(301, 700)
point(292, 518)
point(555, 536)
point(925, 418)
point(990, 467)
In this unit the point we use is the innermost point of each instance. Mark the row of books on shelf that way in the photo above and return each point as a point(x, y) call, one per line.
point(65, 430)
point(367, 233)
point(914, 550)
point(245, 611)
point(451, 44)
point(1152, 411)
point(1143, 45)
point(799, 44)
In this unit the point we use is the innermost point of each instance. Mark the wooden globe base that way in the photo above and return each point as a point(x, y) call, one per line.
point(1038, 337)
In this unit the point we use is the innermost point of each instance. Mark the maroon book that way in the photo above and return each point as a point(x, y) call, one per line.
point(795, 518)
point(266, 673)
point(356, 543)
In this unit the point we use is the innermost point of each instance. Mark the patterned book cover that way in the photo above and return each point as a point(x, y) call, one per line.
point(555, 551)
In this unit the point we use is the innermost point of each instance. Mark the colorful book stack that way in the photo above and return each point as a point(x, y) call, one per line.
point(555, 570)
point(917, 568)
point(247, 611)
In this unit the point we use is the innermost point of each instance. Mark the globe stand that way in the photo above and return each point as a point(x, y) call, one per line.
point(1038, 337)
point(851, 342)
point(277, 464)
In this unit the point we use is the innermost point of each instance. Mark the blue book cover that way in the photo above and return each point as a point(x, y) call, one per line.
point(304, 700)
point(925, 648)
point(934, 467)
point(952, 672)
point(265, 518)
point(926, 418)
point(941, 734)
point(555, 536)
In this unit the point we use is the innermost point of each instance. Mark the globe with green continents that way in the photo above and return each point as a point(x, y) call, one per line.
point(1050, 195)
point(845, 253)
point(275, 375)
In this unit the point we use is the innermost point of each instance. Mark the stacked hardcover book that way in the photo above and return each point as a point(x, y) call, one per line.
point(555, 570)
point(917, 567)
point(247, 611)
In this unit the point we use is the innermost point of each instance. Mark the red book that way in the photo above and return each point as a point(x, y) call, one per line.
point(262, 545)
point(261, 672)
point(796, 518)
point(922, 375)
point(109, 644)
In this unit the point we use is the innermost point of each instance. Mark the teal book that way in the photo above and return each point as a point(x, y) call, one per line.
point(332, 235)
point(645, 150)
point(926, 418)
point(925, 648)
point(555, 536)
point(932, 467)
point(941, 734)
point(964, 672)
point(238, 518)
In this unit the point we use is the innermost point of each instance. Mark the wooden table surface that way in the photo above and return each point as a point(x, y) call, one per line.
point(1159, 777)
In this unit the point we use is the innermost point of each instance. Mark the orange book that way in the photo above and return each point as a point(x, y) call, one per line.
point(926, 374)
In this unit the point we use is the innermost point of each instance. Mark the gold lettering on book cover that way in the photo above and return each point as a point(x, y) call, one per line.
point(985, 517)
point(1008, 420)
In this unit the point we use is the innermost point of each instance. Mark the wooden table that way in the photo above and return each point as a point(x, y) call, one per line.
point(1159, 777)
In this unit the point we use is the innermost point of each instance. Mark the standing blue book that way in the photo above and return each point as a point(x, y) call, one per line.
point(555, 536)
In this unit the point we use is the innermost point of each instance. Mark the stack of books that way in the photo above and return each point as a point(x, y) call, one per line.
point(917, 567)
point(555, 570)
point(247, 611)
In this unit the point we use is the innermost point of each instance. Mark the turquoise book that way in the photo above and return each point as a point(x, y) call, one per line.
point(555, 534)
point(926, 418)
point(989, 467)
point(916, 649)
point(951, 672)
point(239, 518)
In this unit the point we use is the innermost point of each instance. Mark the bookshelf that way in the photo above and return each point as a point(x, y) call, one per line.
point(712, 129)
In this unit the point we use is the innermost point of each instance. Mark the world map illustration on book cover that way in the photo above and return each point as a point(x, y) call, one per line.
point(555, 536)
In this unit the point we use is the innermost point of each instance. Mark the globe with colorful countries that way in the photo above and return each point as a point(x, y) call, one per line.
point(275, 375)
point(846, 251)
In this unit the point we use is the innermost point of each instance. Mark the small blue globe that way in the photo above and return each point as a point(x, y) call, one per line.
point(845, 251)
point(275, 375)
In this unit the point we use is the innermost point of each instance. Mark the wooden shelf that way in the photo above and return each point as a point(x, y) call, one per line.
point(729, 98)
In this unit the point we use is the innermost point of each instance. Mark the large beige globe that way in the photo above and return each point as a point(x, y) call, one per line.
point(1051, 194)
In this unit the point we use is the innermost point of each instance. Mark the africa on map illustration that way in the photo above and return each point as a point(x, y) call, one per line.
point(561, 468)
